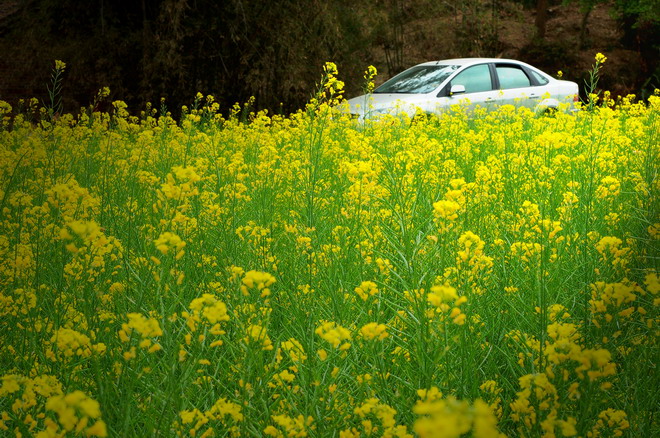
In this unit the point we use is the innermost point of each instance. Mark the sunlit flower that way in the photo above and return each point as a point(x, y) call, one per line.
point(373, 331)
point(334, 334)
point(600, 58)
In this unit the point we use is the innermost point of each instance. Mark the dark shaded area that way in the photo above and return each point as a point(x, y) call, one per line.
point(151, 49)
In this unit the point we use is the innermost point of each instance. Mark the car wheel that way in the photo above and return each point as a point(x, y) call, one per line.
point(550, 111)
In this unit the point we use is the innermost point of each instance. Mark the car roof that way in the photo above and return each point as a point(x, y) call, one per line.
point(469, 61)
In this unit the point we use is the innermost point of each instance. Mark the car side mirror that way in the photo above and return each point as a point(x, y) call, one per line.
point(457, 89)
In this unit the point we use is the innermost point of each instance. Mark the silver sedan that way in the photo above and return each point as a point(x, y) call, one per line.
point(432, 87)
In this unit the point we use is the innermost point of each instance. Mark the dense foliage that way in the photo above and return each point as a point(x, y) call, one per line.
point(315, 276)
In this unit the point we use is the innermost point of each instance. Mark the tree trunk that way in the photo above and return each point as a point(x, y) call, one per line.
point(583, 27)
point(541, 17)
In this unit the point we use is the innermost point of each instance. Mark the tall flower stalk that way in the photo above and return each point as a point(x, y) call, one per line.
point(592, 83)
point(55, 90)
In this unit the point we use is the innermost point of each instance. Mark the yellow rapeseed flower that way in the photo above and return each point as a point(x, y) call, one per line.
point(334, 334)
point(373, 331)
point(366, 289)
point(258, 335)
point(600, 58)
point(442, 294)
point(260, 281)
point(169, 241)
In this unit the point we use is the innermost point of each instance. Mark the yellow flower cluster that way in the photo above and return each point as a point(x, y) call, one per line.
point(366, 289)
point(611, 249)
point(208, 312)
point(547, 400)
point(69, 343)
point(258, 335)
point(332, 88)
point(451, 418)
point(374, 331)
point(92, 250)
point(169, 242)
point(18, 302)
point(565, 347)
point(472, 253)
point(336, 335)
point(447, 210)
point(146, 329)
point(610, 421)
point(294, 350)
point(5, 109)
point(74, 412)
point(536, 407)
point(369, 76)
point(609, 187)
point(491, 394)
point(222, 417)
point(442, 296)
point(180, 184)
point(611, 300)
point(26, 393)
point(259, 281)
point(33, 401)
point(374, 411)
point(298, 427)
point(71, 201)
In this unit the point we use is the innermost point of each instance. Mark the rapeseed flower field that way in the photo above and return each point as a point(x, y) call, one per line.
point(486, 275)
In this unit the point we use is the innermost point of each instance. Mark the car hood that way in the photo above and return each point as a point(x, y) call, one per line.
point(381, 103)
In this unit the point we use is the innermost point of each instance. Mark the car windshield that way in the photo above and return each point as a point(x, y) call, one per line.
point(418, 80)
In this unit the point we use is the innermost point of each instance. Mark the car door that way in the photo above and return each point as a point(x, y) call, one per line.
point(479, 87)
point(518, 86)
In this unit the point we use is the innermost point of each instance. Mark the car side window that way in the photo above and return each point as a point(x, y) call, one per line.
point(474, 79)
point(542, 80)
point(512, 77)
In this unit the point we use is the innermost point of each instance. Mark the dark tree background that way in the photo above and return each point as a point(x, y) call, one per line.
point(274, 50)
